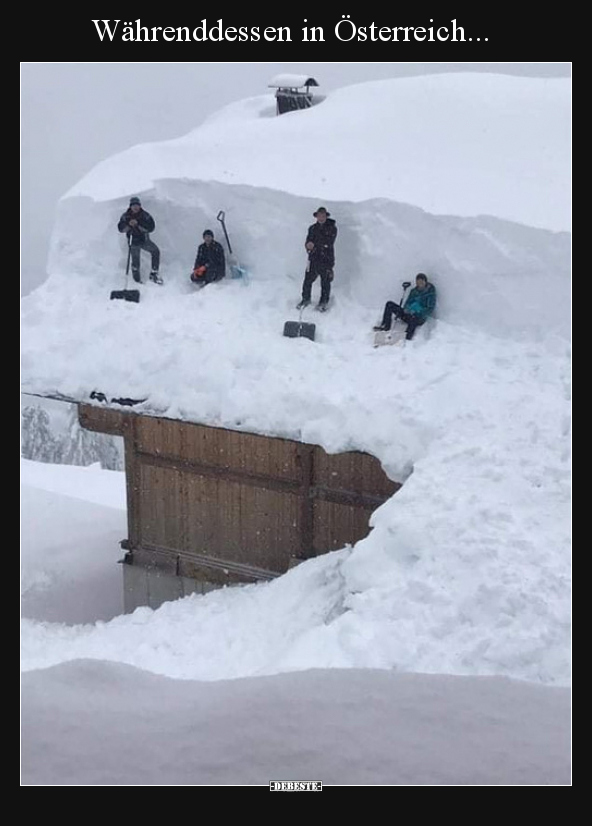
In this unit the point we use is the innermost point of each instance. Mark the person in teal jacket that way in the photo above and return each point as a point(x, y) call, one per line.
point(419, 306)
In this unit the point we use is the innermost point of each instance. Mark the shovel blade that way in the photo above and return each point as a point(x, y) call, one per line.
point(299, 329)
point(237, 271)
point(126, 295)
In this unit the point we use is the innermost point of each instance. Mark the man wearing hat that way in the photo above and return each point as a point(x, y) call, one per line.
point(138, 224)
point(319, 244)
point(210, 263)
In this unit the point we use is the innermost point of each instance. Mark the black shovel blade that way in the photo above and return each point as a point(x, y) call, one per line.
point(297, 329)
point(126, 295)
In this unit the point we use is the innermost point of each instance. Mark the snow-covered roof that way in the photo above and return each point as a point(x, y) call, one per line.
point(292, 81)
point(463, 177)
point(269, 175)
point(452, 144)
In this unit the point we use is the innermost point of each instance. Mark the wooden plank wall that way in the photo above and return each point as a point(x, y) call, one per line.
point(232, 506)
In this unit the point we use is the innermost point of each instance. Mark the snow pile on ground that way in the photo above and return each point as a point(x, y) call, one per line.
point(72, 521)
point(97, 723)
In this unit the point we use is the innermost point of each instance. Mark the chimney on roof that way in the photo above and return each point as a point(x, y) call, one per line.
point(292, 92)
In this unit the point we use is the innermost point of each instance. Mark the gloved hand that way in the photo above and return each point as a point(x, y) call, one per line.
point(198, 273)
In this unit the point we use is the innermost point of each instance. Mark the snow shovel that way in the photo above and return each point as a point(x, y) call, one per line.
point(101, 397)
point(299, 329)
point(236, 271)
point(125, 294)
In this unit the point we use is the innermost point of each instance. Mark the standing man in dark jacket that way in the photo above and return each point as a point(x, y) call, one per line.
point(319, 244)
point(210, 262)
point(138, 224)
point(420, 304)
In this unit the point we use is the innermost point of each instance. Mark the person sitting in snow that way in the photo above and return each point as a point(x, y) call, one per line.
point(419, 306)
point(138, 224)
point(210, 262)
point(319, 244)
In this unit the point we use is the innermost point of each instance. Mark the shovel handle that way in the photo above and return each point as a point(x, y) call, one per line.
point(220, 217)
point(129, 255)
point(405, 285)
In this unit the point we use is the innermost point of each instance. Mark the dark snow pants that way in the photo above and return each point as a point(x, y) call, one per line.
point(312, 273)
point(147, 246)
point(213, 275)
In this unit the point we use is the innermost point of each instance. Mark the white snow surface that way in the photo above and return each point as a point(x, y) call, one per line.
point(102, 702)
point(98, 723)
point(459, 144)
point(467, 568)
point(289, 81)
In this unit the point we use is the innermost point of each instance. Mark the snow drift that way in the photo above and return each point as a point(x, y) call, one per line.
point(463, 177)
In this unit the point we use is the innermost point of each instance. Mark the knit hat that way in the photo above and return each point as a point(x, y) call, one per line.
point(135, 200)
point(208, 232)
